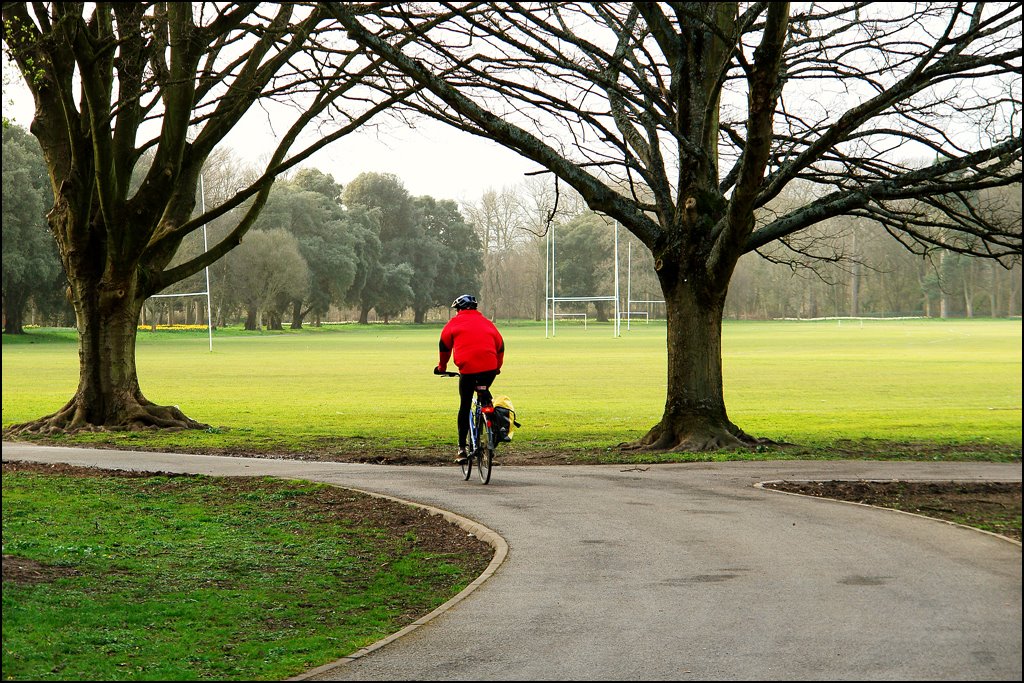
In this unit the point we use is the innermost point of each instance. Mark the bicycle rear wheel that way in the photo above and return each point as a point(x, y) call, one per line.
point(484, 460)
point(485, 450)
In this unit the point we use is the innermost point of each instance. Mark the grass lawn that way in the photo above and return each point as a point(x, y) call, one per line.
point(136, 577)
point(946, 386)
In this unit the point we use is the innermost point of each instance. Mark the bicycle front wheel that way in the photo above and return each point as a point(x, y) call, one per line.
point(466, 466)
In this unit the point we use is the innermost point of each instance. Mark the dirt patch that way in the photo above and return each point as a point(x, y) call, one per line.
point(25, 571)
point(422, 530)
point(993, 506)
point(354, 451)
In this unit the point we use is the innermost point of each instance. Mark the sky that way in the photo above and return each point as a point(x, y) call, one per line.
point(432, 159)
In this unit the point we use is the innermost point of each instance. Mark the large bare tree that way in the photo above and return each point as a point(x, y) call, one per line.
point(115, 83)
point(684, 120)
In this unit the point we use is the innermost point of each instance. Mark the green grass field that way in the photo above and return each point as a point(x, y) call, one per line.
point(179, 578)
point(939, 382)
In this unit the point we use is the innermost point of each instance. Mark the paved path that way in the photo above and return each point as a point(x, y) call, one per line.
point(682, 572)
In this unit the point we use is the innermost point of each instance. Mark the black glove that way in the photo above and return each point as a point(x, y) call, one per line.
point(438, 371)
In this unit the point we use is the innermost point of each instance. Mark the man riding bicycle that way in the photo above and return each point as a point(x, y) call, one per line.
point(478, 352)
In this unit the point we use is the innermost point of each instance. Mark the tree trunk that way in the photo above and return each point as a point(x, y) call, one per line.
point(943, 284)
point(251, 323)
point(364, 315)
point(297, 315)
point(274, 321)
point(993, 300)
point(108, 396)
point(1013, 296)
point(855, 276)
point(968, 280)
point(695, 418)
point(14, 310)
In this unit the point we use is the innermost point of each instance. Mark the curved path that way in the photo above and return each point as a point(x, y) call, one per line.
point(679, 572)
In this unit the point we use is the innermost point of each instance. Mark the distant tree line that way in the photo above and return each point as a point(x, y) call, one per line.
point(367, 248)
point(370, 251)
point(318, 248)
point(845, 267)
point(32, 279)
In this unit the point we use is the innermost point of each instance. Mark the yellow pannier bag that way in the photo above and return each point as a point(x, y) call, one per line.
point(504, 420)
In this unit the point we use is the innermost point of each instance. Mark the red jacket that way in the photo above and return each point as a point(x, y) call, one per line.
point(476, 342)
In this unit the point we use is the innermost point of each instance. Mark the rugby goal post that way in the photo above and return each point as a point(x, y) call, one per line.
point(551, 299)
point(574, 315)
point(209, 315)
point(629, 312)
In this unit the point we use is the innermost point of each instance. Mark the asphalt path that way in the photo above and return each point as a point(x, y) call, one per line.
point(680, 572)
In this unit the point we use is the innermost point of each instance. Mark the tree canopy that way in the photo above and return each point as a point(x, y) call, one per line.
point(309, 208)
point(30, 266)
point(420, 238)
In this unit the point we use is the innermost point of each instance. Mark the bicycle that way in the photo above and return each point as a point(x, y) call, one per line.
point(481, 437)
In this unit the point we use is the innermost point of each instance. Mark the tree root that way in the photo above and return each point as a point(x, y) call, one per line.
point(696, 438)
point(137, 415)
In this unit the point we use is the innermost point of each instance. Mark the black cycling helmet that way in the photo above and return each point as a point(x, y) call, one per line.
point(465, 301)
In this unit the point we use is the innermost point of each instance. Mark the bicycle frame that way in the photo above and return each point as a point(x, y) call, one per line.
point(482, 444)
point(481, 406)
point(481, 438)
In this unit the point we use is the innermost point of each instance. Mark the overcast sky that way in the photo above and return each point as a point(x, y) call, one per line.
point(432, 159)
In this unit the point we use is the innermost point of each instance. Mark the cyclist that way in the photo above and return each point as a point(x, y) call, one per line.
point(479, 352)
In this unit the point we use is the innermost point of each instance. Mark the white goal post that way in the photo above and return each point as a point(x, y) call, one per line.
point(574, 315)
point(629, 312)
point(209, 316)
point(551, 299)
